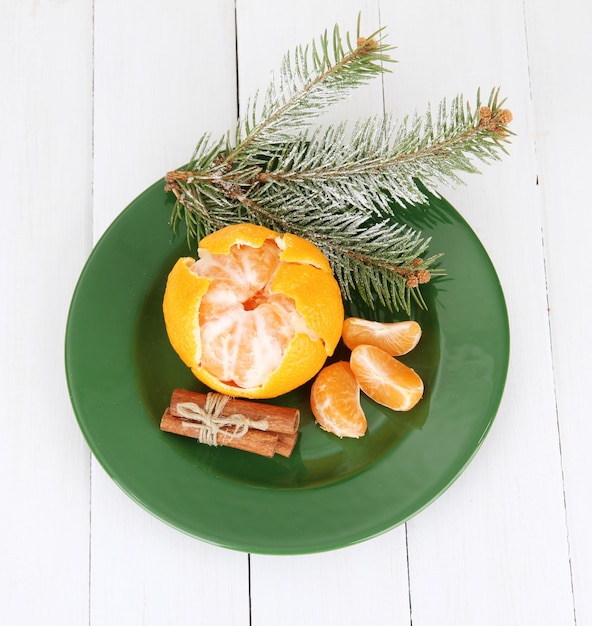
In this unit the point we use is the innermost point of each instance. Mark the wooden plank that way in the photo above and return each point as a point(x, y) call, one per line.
point(164, 75)
point(559, 70)
point(361, 584)
point(45, 175)
point(493, 549)
point(145, 573)
point(261, 47)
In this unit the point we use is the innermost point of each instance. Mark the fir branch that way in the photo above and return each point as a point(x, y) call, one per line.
point(338, 189)
point(381, 157)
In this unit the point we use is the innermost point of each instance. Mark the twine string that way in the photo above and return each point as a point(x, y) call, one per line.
point(213, 423)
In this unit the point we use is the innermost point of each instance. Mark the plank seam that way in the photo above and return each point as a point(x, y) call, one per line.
point(408, 575)
point(249, 589)
point(550, 329)
point(92, 227)
point(238, 108)
point(558, 426)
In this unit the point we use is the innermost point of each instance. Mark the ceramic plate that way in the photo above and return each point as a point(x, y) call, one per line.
point(331, 493)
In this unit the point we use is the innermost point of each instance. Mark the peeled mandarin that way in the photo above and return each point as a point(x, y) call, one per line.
point(257, 314)
point(396, 338)
point(335, 401)
point(385, 379)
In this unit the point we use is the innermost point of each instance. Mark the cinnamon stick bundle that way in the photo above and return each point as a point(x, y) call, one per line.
point(221, 420)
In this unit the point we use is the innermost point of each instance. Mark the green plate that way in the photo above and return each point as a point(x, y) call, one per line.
point(331, 493)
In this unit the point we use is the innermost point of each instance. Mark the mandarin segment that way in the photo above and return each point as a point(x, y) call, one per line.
point(247, 322)
point(335, 401)
point(385, 379)
point(302, 356)
point(245, 346)
point(256, 265)
point(396, 338)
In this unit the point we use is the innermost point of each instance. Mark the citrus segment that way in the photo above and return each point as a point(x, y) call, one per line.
point(335, 401)
point(396, 338)
point(385, 379)
point(248, 323)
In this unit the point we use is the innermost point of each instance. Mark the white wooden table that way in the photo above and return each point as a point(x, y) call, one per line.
point(98, 99)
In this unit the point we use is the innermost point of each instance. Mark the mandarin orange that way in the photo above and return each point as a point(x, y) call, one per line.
point(335, 401)
point(385, 379)
point(257, 314)
point(396, 338)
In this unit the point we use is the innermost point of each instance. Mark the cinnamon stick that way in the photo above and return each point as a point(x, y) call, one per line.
point(257, 441)
point(286, 443)
point(279, 419)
